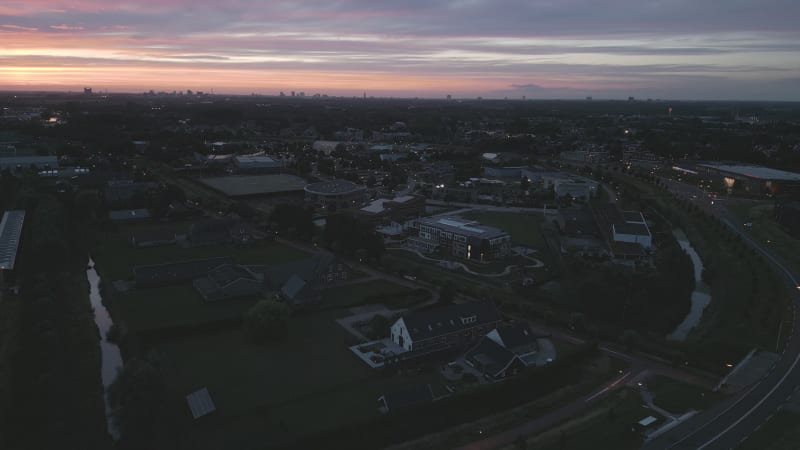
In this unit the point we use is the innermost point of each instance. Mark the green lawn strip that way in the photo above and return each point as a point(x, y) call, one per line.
point(116, 257)
point(678, 397)
point(174, 306)
point(372, 291)
point(523, 227)
point(599, 428)
point(781, 432)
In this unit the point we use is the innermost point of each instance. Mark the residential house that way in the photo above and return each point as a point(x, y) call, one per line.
point(299, 282)
point(229, 281)
point(445, 326)
point(504, 351)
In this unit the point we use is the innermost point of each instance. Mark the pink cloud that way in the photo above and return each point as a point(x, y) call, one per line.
point(65, 27)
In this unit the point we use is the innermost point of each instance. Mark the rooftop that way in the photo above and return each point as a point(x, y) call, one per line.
point(334, 187)
point(637, 229)
point(10, 232)
point(377, 205)
point(463, 226)
point(240, 185)
point(753, 171)
point(451, 318)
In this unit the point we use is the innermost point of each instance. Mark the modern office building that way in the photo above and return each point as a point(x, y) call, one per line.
point(458, 237)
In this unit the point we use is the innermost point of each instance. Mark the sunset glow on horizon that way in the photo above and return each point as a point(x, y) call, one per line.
point(570, 49)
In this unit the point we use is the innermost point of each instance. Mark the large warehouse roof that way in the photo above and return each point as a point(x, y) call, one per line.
point(752, 171)
point(10, 232)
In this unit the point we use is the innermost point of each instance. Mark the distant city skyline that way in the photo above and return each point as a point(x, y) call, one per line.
point(670, 49)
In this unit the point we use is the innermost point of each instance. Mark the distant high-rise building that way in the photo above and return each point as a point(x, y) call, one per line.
point(449, 97)
point(588, 97)
point(524, 98)
point(292, 93)
point(282, 94)
point(365, 95)
point(87, 90)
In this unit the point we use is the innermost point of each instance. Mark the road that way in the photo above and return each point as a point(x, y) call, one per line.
point(728, 424)
point(641, 367)
point(479, 207)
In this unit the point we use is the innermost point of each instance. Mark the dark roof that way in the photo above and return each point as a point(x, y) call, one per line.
point(631, 228)
point(228, 273)
point(408, 396)
point(10, 233)
point(306, 269)
point(518, 336)
point(176, 272)
point(633, 217)
point(490, 357)
point(334, 187)
point(434, 322)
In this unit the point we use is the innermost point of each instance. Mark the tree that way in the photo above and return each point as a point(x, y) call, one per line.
point(135, 397)
point(267, 320)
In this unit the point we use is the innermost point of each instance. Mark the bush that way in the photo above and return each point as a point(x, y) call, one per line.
point(267, 320)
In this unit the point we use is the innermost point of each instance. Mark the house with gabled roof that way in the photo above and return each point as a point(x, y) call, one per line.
point(450, 325)
point(299, 282)
point(229, 281)
point(504, 351)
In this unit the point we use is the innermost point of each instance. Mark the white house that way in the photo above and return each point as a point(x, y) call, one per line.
point(447, 325)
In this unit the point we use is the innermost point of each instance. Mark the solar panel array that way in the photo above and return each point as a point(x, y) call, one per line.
point(200, 403)
point(10, 232)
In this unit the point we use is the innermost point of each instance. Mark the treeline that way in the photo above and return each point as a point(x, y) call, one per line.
point(51, 353)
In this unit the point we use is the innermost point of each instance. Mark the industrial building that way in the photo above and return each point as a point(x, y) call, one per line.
point(751, 178)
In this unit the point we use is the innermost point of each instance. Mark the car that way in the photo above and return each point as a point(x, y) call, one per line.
point(748, 224)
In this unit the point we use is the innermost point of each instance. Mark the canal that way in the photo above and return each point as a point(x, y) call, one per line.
point(111, 357)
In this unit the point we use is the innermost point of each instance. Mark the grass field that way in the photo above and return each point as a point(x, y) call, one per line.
point(116, 257)
point(678, 397)
point(268, 395)
point(523, 228)
point(781, 432)
point(173, 306)
point(598, 428)
point(371, 291)
point(765, 229)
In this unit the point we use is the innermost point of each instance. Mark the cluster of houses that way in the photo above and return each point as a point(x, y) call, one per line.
point(221, 278)
point(489, 348)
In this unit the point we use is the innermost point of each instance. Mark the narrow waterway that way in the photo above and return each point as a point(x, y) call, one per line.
point(701, 296)
point(111, 357)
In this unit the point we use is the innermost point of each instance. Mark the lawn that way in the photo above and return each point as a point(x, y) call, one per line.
point(174, 306)
point(391, 294)
point(587, 432)
point(274, 394)
point(116, 257)
point(781, 432)
point(523, 228)
point(678, 397)
point(765, 229)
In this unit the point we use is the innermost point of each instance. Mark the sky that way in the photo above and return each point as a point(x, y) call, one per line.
point(668, 49)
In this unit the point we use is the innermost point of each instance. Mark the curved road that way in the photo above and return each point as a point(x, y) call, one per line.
point(728, 424)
